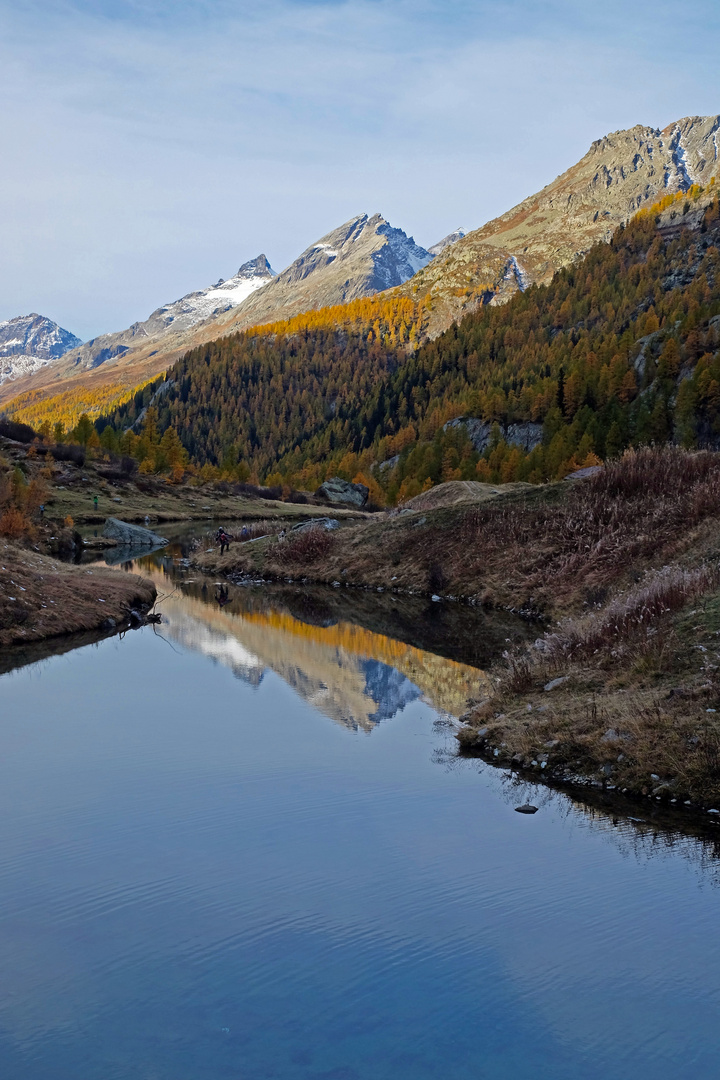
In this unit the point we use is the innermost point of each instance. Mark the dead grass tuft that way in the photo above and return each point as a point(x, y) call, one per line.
point(303, 548)
point(645, 503)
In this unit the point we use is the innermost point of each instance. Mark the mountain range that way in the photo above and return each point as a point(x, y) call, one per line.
point(620, 174)
point(362, 257)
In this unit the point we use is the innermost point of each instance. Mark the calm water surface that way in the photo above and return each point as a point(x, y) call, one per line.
point(241, 850)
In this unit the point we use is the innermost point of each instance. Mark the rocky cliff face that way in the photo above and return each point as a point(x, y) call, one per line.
point(620, 173)
point(29, 342)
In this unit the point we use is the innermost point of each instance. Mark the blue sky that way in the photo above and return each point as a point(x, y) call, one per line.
point(151, 146)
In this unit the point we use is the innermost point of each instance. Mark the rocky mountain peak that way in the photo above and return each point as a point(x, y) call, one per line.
point(451, 238)
point(256, 268)
point(360, 257)
point(29, 342)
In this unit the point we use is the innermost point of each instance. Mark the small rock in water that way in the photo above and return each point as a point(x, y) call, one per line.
point(526, 809)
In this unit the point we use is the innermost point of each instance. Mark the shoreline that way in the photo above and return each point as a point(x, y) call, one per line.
point(619, 572)
point(42, 598)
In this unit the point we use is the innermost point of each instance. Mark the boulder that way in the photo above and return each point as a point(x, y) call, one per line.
point(583, 474)
point(328, 524)
point(342, 491)
point(131, 536)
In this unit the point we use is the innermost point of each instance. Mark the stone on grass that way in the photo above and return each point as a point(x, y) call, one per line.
point(554, 683)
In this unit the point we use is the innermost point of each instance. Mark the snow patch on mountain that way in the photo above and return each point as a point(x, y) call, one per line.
point(328, 249)
point(680, 160)
point(197, 306)
point(514, 272)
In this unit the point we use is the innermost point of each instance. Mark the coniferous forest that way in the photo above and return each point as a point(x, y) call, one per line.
point(620, 349)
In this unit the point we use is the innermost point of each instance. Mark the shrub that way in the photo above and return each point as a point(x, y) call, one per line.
point(11, 429)
point(256, 491)
point(14, 523)
point(69, 452)
point(304, 547)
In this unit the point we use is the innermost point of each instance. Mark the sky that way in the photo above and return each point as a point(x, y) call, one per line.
point(152, 146)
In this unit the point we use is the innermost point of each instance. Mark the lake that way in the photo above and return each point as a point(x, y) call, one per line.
point(240, 846)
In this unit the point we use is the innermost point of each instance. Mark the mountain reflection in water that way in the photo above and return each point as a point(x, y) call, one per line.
point(353, 675)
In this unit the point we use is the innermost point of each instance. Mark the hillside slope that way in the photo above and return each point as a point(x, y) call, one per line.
point(619, 175)
point(130, 357)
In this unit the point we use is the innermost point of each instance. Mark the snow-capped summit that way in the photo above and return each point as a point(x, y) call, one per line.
point(197, 306)
point(178, 317)
point(451, 238)
point(360, 258)
point(29, 342)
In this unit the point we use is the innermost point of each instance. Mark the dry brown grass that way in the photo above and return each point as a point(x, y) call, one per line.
point(635, 509)
point(636, 710)
point(41, 597)
point(303, 548)
point(633, 620)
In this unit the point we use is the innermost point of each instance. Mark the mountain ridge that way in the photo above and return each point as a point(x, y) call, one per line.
point(620, 173)
point(363, 256)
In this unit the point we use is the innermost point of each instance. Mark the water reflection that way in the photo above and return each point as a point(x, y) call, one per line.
point(200, 878)
point(352, 674)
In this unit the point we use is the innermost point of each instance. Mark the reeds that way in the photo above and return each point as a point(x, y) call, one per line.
point(632, 509)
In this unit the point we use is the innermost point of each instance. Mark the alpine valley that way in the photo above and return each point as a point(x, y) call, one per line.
point(514, 351)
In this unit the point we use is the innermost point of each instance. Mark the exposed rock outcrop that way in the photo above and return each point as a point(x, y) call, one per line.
point(526, 435)
point(341, 491)
point(620, 174)
point(29, 342)
point(325, 523)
